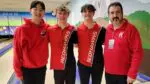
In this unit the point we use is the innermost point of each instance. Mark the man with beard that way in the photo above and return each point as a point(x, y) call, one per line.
point(123, 49)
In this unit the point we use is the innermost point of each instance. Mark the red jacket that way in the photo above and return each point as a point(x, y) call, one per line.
point(126, 55)
point(30, 46)
point(59, 46)
point(87, 39)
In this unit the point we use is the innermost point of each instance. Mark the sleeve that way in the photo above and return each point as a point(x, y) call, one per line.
point(17, 54)
point(75, 37)
point(103, 31)
point(48, 33)
point(136, 50)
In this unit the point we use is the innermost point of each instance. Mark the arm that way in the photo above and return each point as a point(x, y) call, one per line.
point(103, 31)
point(136, 51)
point(75, 37)
point(17, 52)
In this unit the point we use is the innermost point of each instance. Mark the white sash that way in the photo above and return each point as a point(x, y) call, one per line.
point(65, 46)
point(93, 42)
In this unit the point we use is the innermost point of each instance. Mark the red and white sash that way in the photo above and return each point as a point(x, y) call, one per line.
point(65, 46)
point(92, 46)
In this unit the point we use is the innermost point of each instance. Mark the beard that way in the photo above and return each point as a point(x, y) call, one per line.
point(115, 18)
point(116, 21)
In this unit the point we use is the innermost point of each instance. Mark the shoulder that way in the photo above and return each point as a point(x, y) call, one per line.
point(46, 26)
point(52, 28)
point(132, 28)
point(81, 27)
point(103, 28)
point(71, 27)
point(109, 26)
point(21, 28)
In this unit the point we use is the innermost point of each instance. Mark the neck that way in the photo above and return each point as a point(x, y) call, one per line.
point(35, 21)
point(62, 24)
point(89, 23)
point(116, 26)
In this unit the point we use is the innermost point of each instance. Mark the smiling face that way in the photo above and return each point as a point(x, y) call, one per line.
point(87, 14)
point(88, 11)
point(115, 15)
point(37, 12)
point(62, 15)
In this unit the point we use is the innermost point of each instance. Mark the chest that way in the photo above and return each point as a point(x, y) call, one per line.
point(60, 36)
point(119, 38)
point(88, 35)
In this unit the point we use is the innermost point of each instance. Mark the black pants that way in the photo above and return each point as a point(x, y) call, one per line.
point(66, 76)
point(34, 76)
point(95, 71)
point(115, 79)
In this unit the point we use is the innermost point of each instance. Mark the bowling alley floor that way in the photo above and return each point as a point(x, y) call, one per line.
point(6, 71)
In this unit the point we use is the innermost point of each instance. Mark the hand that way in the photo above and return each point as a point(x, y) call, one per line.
point(130, 80)
point(20, 78)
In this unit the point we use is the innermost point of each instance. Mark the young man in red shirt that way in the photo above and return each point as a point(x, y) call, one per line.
point(123, 49)
point(90, 39)
point(62, 38)
point(31, 47)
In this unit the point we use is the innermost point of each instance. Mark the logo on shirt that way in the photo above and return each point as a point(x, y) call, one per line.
point(43, 33)
point(121, 34)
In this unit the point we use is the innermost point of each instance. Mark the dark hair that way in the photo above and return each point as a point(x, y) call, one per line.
point(89, 7)
point(35, 3)
point(115, 4)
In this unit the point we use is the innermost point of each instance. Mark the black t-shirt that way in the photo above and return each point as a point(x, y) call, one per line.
point(70, 54)
point(98, 55)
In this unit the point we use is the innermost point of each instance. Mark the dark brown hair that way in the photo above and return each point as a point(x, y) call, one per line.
point(35, 3)
point(115, 4)
point(89, 7)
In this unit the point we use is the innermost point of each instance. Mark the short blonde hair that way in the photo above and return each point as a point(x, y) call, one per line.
point(62, 8)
